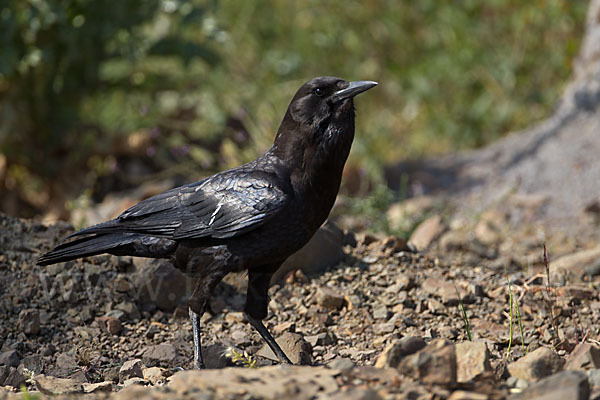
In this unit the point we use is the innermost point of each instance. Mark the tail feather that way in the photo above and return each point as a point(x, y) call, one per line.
point(85, 247)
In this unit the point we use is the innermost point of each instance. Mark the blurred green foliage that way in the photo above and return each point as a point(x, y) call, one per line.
point(195, 86)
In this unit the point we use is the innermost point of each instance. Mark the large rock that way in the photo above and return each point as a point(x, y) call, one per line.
point(55, 386)
point(158, 282)
point(435, 364)
point(575, 266)
point(397, 350)
point(571, 385)
point(14, 378)
point(541, 161)
point(536, 365)
point(276, 382)
point(472, 360)
point(324, 249)
point(585, 356)
point(159, 355)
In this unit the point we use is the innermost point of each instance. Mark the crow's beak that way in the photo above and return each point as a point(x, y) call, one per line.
point(352, 90)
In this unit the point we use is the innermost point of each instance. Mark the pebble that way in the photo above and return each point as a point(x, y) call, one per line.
point(159, 355)
point(329, 298)
point(341, 364)
point(29, 321)
point(130, 369)
point(110, 325)
point(294, 346)
point(154, 375)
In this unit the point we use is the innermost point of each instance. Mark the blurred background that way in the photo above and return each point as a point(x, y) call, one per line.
point(98, 96)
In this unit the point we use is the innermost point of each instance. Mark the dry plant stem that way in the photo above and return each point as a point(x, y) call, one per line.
point(550, 298)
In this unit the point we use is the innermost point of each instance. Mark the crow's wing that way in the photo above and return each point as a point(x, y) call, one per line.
point(221, 206)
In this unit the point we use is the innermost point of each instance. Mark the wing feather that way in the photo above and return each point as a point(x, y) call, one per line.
point(221, 206)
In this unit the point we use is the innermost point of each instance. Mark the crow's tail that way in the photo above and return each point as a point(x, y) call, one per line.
point(112, 243)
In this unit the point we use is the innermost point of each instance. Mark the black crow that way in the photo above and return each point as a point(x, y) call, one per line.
point(247, 218)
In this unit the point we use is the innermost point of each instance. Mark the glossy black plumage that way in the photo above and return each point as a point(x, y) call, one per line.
point(251, 217)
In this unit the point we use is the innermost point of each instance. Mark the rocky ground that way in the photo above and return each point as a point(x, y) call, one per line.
point(470, 308)
point(380, 321)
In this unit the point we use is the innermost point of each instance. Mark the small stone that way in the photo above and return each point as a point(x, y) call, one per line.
point(239, 337)
point(130, 369)
point(50, 385)
point(135, 381)
point(214, 356)
point(10, 358)
point(380, 312)
point(122, 284)
point(152, 330)
point(426, 232)
point(294, 346)
point(118, 314)
point(585, 356)
point(382, 329)
point(110, 325)
point(329, 298)
point(397, 350)
point(29, 321)
point(454, 241)
point(86, 314)
point(66, 363)
point(572, 385)
point(472, 360)
point(435, 364)
point(538, 364)
point(154, 375)
point(106, 386)
point(283, 327)
point(442, 288)
point(341, 364)
point(162, 354)
point(130, 309)
point(79, 376)
point(517, 383)
point(48, 350)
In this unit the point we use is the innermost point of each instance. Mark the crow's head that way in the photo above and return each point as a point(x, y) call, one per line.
point(322, 98)
point(319, 118)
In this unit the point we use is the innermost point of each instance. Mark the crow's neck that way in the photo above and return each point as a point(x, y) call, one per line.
point(316, 166)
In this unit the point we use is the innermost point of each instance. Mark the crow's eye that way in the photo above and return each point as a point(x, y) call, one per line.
point(319, 92)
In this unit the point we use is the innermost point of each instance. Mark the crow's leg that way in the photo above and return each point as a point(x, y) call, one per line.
point(195, 318)
point(197, 305)
point(257, 301)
